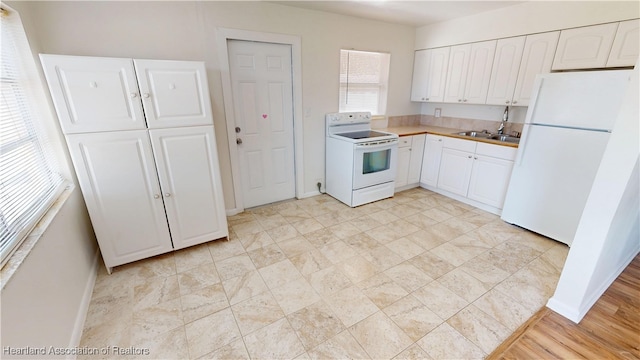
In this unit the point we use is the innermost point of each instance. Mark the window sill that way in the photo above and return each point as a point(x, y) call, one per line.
point(17, 258)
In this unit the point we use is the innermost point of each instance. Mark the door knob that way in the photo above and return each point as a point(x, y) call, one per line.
point(134, 95)
point(146, 95)
point(156, 196)
point(238, 141)
point(238, 129)
point(167, 195)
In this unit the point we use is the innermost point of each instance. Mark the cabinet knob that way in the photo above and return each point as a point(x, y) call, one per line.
point(475, 158)
point(146, 95)
point(156, 196)
point(424, 98)
point(427, 99)
point(238, 141)
point(465, 100)
point(469, 156)
point(459, 100)
point(439, 139)
point(133, 95)
point(167, 194)
point(515, 101)
point(506, 102)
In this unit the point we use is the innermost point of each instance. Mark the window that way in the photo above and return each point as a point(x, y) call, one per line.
point(364, 78)
point(28, 182)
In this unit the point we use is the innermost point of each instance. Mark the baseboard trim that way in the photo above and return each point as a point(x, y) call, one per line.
point(234, 211)
point(310, 194)
point(83, 309)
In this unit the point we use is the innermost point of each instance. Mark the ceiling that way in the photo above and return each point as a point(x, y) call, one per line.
point(411, 13)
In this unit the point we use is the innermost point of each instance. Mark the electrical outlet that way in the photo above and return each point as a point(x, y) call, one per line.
point(437, 112)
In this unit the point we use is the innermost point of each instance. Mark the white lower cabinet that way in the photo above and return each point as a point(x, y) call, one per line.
point(470, 171)
point(431, 160)
point(410, 152)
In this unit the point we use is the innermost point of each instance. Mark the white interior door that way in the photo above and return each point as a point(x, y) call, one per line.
point(263, 104)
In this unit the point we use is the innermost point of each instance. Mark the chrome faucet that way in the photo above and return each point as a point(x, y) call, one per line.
point(505, 118)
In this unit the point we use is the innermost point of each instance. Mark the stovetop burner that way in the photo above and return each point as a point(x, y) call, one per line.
point(366, 134)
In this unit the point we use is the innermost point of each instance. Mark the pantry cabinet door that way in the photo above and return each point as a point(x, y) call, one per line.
point(504, 73)
point(174, 93)
point(93, 94)
point(537, 58)
point(625, 49)
point(120, 187)
point(187, 162)
point(479, 73)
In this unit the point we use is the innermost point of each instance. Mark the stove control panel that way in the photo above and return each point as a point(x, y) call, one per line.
point(347, 118)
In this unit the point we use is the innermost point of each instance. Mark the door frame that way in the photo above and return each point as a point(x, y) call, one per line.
point(225, 34)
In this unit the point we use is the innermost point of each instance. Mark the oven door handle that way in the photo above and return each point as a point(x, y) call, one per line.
point(380, 145)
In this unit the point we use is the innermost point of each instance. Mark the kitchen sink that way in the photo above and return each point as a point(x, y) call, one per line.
point(505, 138)
point(476, 134)
point(489, 136)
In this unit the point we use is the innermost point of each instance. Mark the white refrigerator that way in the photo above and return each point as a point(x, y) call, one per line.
point(566, 130)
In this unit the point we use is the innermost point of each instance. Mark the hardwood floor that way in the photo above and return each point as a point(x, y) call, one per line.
point(610, 330)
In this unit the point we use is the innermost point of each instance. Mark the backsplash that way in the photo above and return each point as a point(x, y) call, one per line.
point(452, 122)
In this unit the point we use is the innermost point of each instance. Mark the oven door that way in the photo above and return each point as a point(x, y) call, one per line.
point(374, 164)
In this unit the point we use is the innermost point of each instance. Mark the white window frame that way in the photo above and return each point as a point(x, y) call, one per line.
point(382, 86)
point(21, 127)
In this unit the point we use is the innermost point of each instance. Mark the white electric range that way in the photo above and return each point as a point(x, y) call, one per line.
point(360, 163)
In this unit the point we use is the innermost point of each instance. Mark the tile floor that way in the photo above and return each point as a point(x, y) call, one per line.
point(415, 276)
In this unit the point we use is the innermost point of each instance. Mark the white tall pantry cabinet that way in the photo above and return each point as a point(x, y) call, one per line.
point(141, 138)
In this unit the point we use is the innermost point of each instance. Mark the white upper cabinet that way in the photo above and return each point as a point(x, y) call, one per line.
point(504, 73)
point(429, 74)
point(93, 94)
point(624, 51)
point(584, 48)
point(189, 175)
point(118, 179)
point(537, 58)
point(479, 73)
point(457, 73)
point(174, 93)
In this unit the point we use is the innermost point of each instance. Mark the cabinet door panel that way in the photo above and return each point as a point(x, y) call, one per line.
point(625, 49)
point(457, 73)
point(431, 160)
point(421, 61)
point(585, 47)
point(437, 74)
point(174, 93)
point(504, 73)
point(120, 187)
point(489, 180)
point(479, 73)
point(537, 58)
point(404, 157)
point(455, 171)
point(93, 94)
point(190, 178)
point(415, 161)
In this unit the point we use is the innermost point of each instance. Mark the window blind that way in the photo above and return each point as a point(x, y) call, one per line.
point(363, 81)
point(28, 182)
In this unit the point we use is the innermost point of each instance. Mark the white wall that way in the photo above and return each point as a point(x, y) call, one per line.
point(187, 31)
point(44, 302)
point(608, 235)
point(521, 19)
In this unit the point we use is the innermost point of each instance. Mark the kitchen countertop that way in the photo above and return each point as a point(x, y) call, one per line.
point(438, 130)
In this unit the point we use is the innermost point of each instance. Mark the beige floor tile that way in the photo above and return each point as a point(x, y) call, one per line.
point(427, 240)
point(365, 223)
point(341, 346)
point(295, 295)
point(279, 273)
point(246, 228)
point(484, 271)
point(380, 337)
point(257, 312)
point(156, 320)
point(405, 248)
point(321, 237)
point(446, 343)
point(510, 256)
point(211, 333)
point(307, 225)
point(405, 210)
point(222, 249)
point(483, 330)
point(351, 305)
point(234, 350)
point(283, 232)
point(382, 258)
point(413, 352)
point(556, 256)
point(114, 332)
point(344, 230)
point(453, 254)
point(470, 245)
point(256, 241)
point(408, 276)
point(271, 221)
point(295, 246)
point(337, 251)
point(155, 291)
point(362, 242)
point(234, 266)
point(432, 265)
point(382, 290)
point(328, 281)
point(261, 344)
point(198, 278)
point(440, 300)
point(357, 269)
point(203, 302)
point(392, 231)
point(464, 285)
point(310, 262)
point(383, 217)
point(107, 307)
point(169, 345)
point(331, 218)
point(240, 218)
point(244, 287)
point(413, 317)
point(315, 324)
point(266, 255)
point(504, 309)
point(460, 224)
point(438, 215)
point(421, 220)
point(161, 265)
point(192, 257)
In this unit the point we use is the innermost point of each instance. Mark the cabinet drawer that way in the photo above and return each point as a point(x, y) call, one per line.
point(405, 141)
point(459, 144)
point(497, 151)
